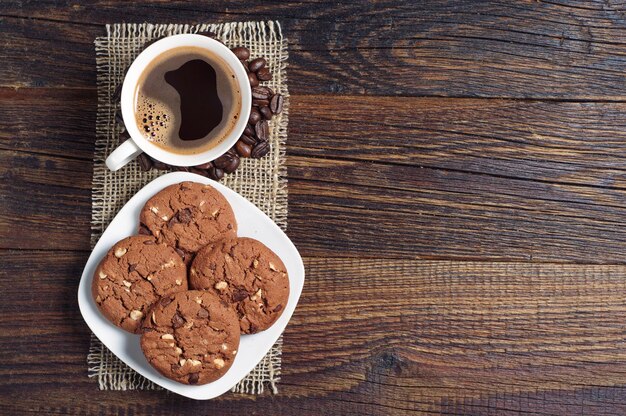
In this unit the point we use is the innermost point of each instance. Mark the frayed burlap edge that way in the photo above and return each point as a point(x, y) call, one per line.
point(262, 181)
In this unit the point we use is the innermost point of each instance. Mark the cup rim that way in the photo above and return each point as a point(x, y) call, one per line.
point(145, 58)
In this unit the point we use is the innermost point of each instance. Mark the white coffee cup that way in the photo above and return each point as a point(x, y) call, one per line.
point(137, 143)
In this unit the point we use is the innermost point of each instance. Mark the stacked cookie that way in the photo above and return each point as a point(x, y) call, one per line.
point(188, 285)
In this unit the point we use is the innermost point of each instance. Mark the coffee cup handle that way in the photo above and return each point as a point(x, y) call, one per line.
point(124, 153)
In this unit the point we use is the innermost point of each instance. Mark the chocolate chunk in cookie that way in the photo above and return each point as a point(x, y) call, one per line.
point(187, 216)
point(191, 337)
point(132, 276)
point(247, 274)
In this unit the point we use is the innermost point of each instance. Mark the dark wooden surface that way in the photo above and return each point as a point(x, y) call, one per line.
point(457, 186)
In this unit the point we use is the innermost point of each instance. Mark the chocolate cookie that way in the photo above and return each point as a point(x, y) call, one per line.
point(188, 216)
point(244, 272)
point(132, 276)
point(191, 337)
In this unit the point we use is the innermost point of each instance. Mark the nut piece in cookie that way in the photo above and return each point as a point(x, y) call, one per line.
point(135, 273)
point(187, 216)
point(192, 337)
point(247, 274)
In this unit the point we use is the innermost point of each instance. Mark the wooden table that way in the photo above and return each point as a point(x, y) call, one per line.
point(457, 185)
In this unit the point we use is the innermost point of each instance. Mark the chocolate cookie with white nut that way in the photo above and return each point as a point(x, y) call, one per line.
point(247, 274)
point(191, 337)
point(133, 275)
point(187, 216)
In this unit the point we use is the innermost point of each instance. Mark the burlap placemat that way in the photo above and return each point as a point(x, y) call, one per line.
point(262, 181)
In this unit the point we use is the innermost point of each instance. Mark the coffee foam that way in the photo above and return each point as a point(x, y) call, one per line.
point(154, 118)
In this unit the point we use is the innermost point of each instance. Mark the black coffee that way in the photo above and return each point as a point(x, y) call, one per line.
point(187, 100)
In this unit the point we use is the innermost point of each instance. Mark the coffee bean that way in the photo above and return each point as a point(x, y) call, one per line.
point(253, 79)
point(181, 168)
point(204, 165)
point(257, 64)
point(260, 103)
point(277, 308)
point(160, 165)
point(245, 65)
point(222, 161)
point(276, 105)
point(264, 74)
point(266, 113)
point(203, 313)
point(260, 150)
point(255, 116)
point(241, 53)
point(247, 140)
point(124, 136)
point(145, 164)
point(201, 172)
point(215, 173)
point(262, 130)
point(243, 148)
point(249, 130)
point(232, 165)
point(260, 93)
point(166, 300)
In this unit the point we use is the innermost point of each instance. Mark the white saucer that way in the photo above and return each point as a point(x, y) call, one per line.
point(251, 223)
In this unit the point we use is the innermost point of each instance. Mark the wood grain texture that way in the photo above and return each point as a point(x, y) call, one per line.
point(49, 121)
point(441, 232)
point(531, 49)
point(361, 210)
point(434, 178)
point(45, 203)
point(375, 337)
point(566, 143)
point(395, 177)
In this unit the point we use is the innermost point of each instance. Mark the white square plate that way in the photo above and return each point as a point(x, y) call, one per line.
point(251, 222)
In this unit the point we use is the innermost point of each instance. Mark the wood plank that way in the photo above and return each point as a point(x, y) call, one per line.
point(441, 48)
point(539, 165)
point(370, 336)
point(49, 121)
point(47, 54)
point(45, 203)
point(448, 215)
point(557, 142)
